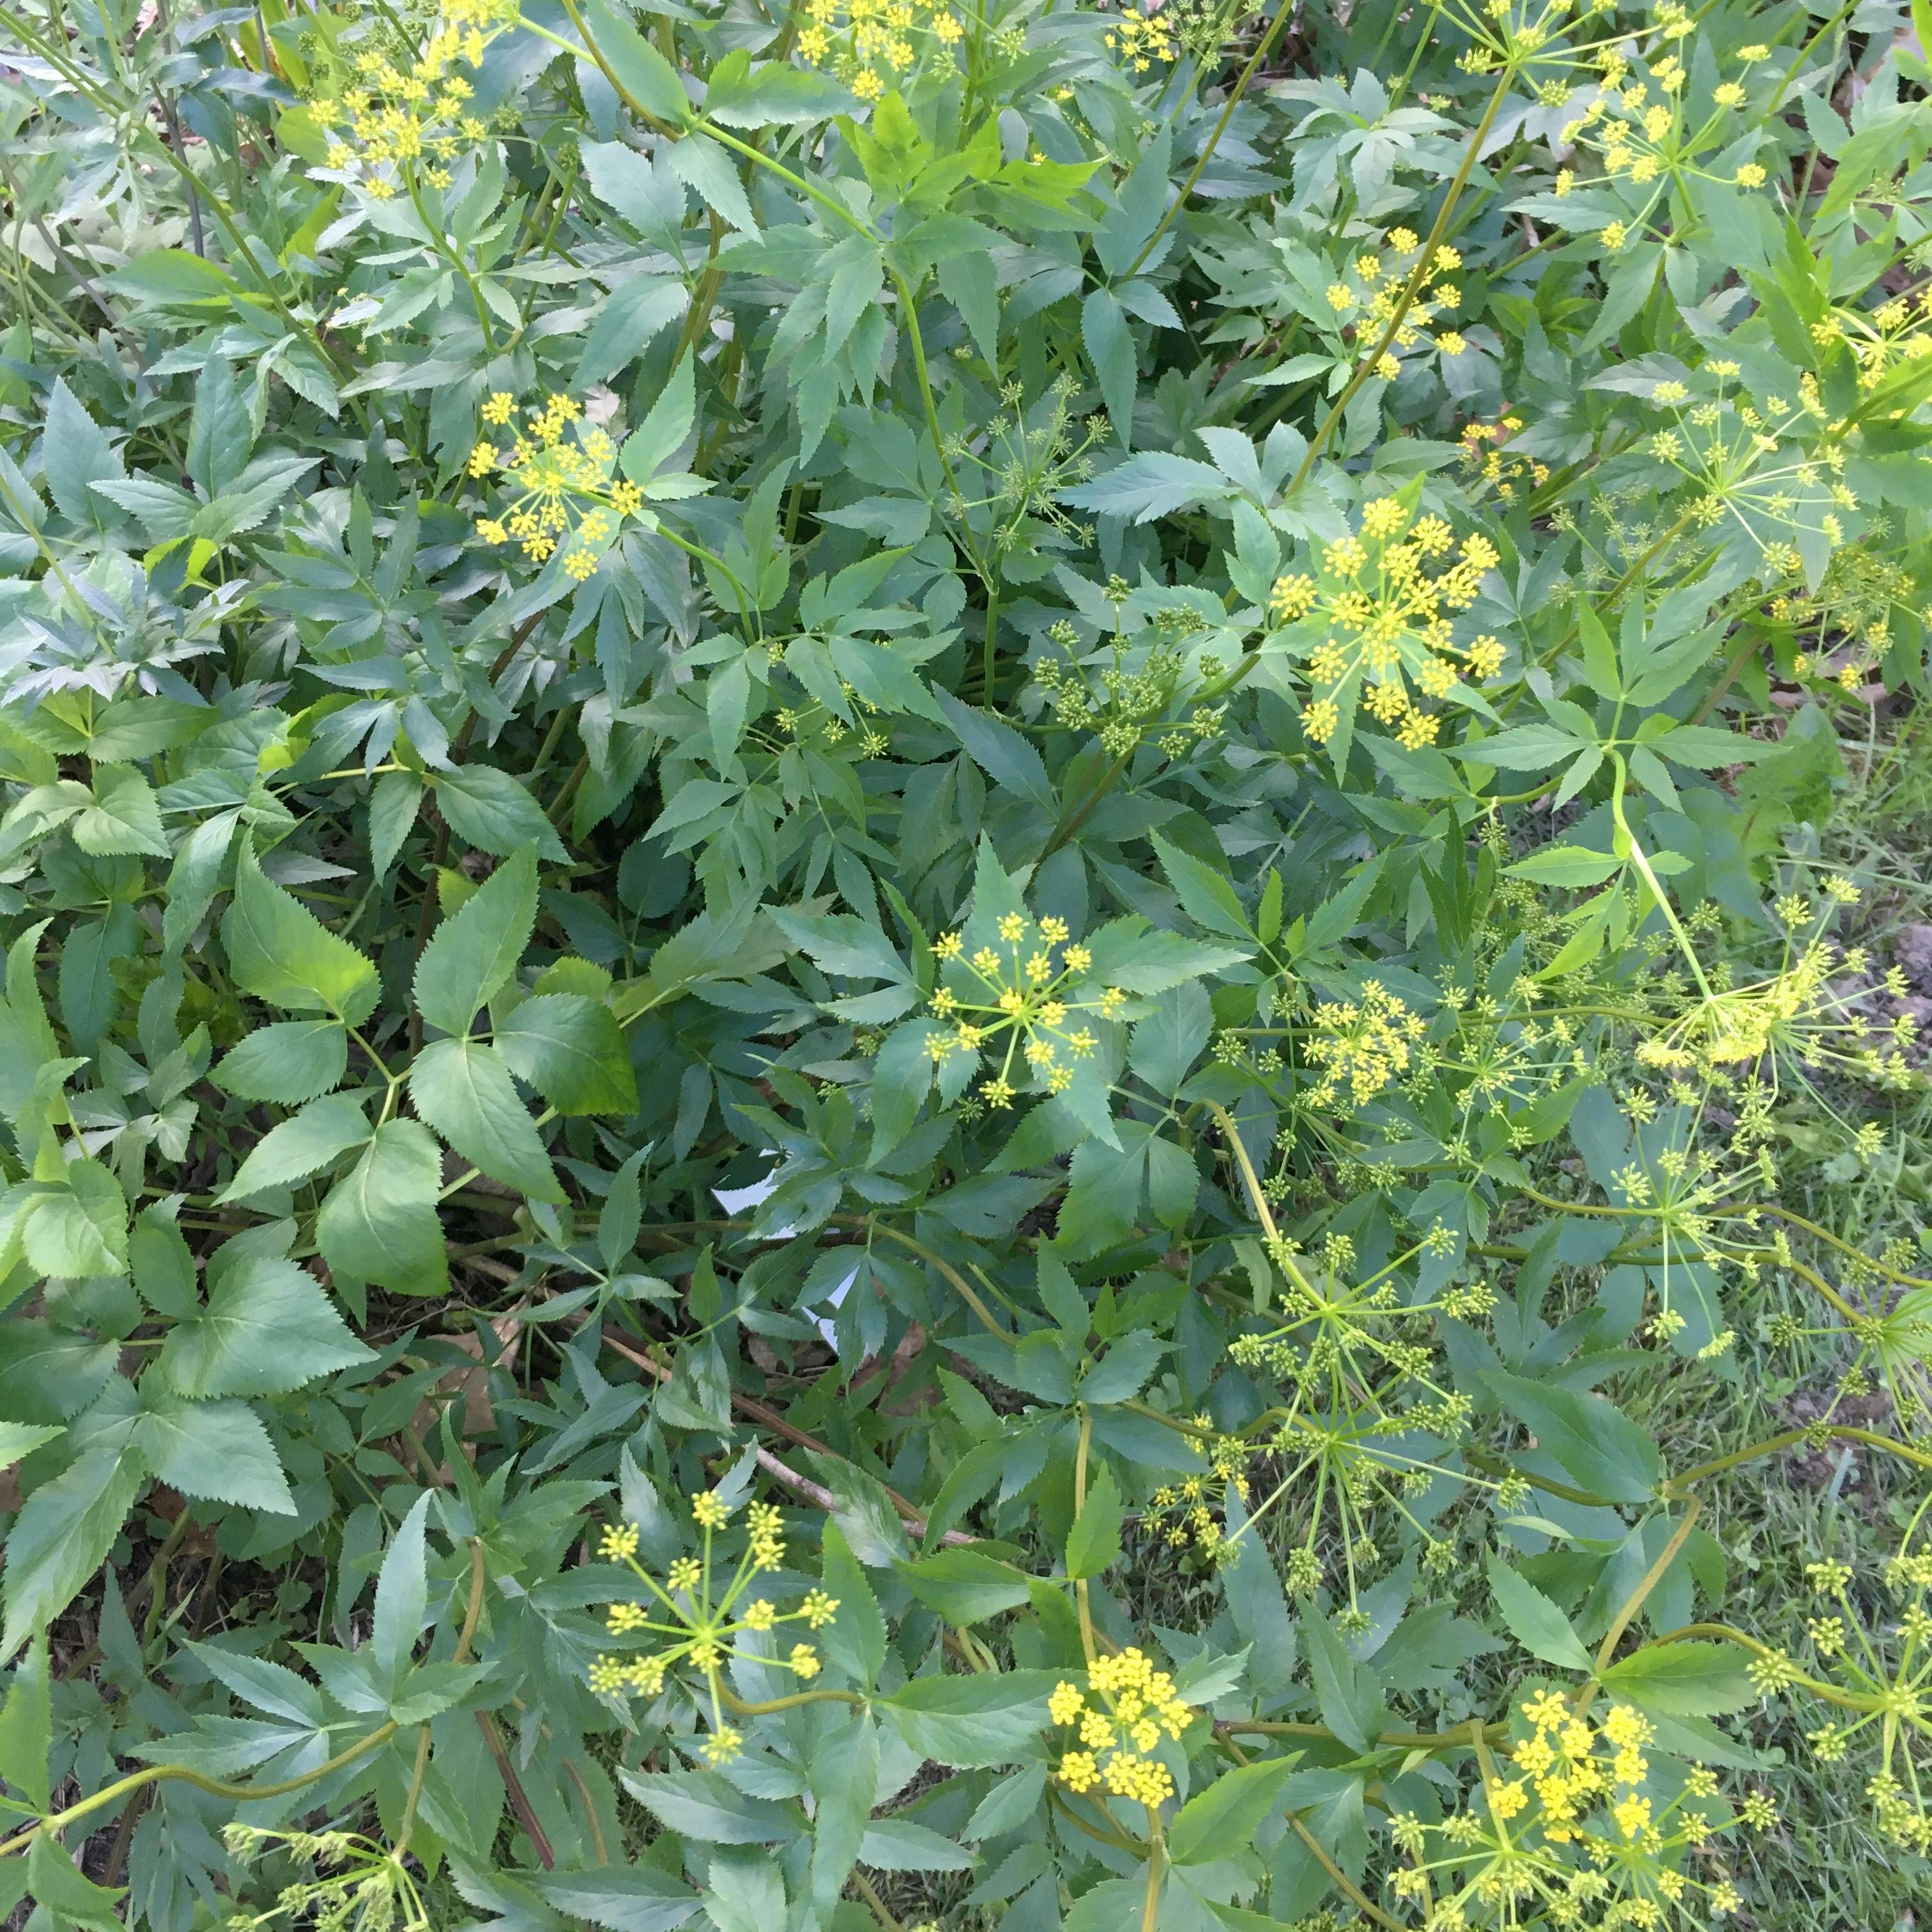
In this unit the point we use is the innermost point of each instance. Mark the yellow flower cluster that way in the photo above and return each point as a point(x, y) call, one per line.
point(1730, 452)
point(1807, 1014)
point(1485, 451)
point(1512, 31)
point(1023, 997)
point(1501, 1056)
point(1140, 39)
point(1572, 1841)
point(409, 116)
point(1361, 1388)
point(1637, 127)
point(871, 44)
point(1184, 1506)
point(566, 492)
point(1849, 613)
point(1386, 616)
point(1367, 301)
point(699, 1624)
point(1878, 1674)
point(1364, 1044)
point(1129, 1706)
point(1897, 332)
point(1560, 1758)
point(358, 1882)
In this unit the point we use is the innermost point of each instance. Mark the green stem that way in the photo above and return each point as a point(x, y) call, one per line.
point(455, 261)
point(1081, 1596)
point(1835, 1431)
point(1417, 276)
point(1651, 1577)
point(58, 1821)
point(1241, 87)
point(1340, 1880)
point(945, 1267)
point(1156, 1870)
point(739, 1707)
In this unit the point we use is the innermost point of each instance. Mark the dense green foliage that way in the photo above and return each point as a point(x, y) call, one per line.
point(931, 996)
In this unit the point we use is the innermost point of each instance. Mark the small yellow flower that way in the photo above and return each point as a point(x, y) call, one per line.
point(1066, 1704)
point(1506, 1800)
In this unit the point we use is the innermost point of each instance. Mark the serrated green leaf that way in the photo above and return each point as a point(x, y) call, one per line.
point(572, 1051)
point(62, 1536)
point(973, 1721)
point(124, 816)
point(288, 1063)
point(473, 955)
point(1228, 1812)
point(301, 1146)
point(267, 1328)
point(462, 1089)
point(1093, 1543)
point(279, 950)
point(216, 1450)
point(1534, 1621)
point(380, 1222)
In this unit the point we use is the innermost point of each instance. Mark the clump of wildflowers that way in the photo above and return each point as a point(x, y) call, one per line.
point(1137, 691)
point(872, 45)
point(1118, 1723)
point(401, 116)
point(1808, 1014)
point(1018, 999)
point(1366, 1420)
point(699, 1615)
point(1588, 1831)
point(1139, 39)
point(1362, 1045)
point(562, 470)
point(361, 1886)
point(1485, 452)
point(1876, 1671)
point(1375, 621)
point(1369, 295)
point(1183, 1512)
point(1742, 469)
point(1636, 124)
